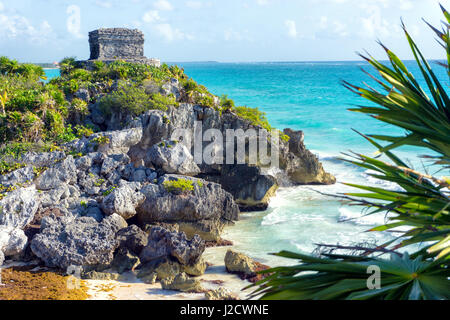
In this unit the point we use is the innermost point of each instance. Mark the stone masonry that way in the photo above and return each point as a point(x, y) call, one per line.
point(111, 44)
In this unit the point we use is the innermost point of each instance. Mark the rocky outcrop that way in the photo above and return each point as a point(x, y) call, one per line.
point(208, 230)
point(18, 176)
point(123, 200)
point(206, 201)
point(164, 243)
point(132, 238)
point(66, 241)
point(19, 207)
point(301, 165)
point(171, 157)
point(64, 172)
point(251, 186)
point(12, 241)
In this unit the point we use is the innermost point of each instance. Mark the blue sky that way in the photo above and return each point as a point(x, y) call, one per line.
point(219, 30)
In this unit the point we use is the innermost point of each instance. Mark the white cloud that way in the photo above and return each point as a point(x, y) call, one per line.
point(163, 5)
point(1, 6)
point(74, 21)
point(291, 28)
point(166, 31)
point(262, 2)
point(151, 16)
point(16, 26)
point(194, 4)
point(104, 4)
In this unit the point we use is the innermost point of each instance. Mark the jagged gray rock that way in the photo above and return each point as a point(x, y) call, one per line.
point(208, 230)
point(207, 201)
point(63, 172)
point(172, 157)
point(66, 241)
point(123, 201)
point(42, 159)
point(18, 207)
point(12, 240)
point(132, 238)
point(21, 175)
point(163, 243)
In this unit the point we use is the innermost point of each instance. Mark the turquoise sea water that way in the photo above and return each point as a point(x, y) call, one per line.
point(306, 96)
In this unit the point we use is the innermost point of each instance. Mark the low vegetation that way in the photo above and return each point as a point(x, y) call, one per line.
point(180, 186)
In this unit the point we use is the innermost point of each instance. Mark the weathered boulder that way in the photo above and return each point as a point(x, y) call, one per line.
point(123, 200)
point(21, 175)
point(208, 230)
point(116, 222)
point(236, 262)
point(163, 243)
point(206, 201)
point(132, 238)
point(66, 241)
point(182, 282)
point(220, 294)
point(12, 240)
point(196, 269)
point(18, 207)
point(249, 185)
point(2, 258)
point(108, 142)
point(63, 172)
point(163, 268)
point(120, 141)
point(96, 275)
point(42, 159)
point(172, 157)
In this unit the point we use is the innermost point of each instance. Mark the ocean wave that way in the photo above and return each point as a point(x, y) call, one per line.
point(348, 215)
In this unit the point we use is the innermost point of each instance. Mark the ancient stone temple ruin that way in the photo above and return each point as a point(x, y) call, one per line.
point(113, 44)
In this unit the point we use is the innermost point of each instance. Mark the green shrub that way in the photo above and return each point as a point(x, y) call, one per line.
point(226, 104)
point(128, 98)
point(205, 101)
point(255, 116)
point(179, 186)
point(109, 191)
point(6, 167)
point(161, 102)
